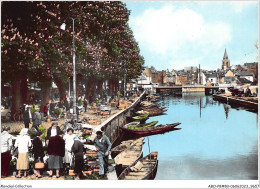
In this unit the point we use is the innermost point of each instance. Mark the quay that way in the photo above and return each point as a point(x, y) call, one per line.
point(188, 88)
point(247, 102)
point(109, 124)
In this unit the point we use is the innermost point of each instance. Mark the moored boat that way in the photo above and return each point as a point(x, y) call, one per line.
point(134, 123)
point(133, 153)
point(160, 129)
point(117, 150)
point(143, 169)
point(142, 118)
point(141, 126)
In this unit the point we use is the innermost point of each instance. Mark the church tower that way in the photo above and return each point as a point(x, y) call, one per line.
point(225, 61)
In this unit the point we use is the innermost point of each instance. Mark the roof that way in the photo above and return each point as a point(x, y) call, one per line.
point(243, 80)
point(246, 74)
point(253, 64)
point(212, 75)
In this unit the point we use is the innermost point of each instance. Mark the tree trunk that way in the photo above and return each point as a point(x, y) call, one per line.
point(61, 88)
point(100, 87)
point(90, 87)
point(24, 90)
point(16, 95)
point(45, 96)
point(79, 88)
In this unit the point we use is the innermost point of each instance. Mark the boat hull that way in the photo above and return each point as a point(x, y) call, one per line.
point(148, 173)
point(150, 130)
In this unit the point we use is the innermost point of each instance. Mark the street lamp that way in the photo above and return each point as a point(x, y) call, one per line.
point(63, 27)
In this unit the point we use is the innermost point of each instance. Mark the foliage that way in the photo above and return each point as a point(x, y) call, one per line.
point(97, 101)
point(43, 130)
point(32, 133)
point(80, 102)
point(57, 111)
point(133, 127)
point(141, 116)
point(33, 46)
point(13, 162)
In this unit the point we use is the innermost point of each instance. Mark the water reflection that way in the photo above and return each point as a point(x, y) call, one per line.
point(215, 142)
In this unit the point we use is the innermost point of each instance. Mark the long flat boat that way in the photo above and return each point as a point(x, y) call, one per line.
point(143, 169)
point(142, 118)
point(140, 126)
point(129, 156)
point(160, 129)
point(134, 123)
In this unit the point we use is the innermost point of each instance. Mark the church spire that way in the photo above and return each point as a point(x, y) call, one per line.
point(225, 55)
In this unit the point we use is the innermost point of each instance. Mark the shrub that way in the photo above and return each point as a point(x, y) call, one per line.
point(43, 130)
point(57, 111)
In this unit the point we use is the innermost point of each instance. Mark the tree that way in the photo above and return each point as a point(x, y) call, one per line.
point(34, 49)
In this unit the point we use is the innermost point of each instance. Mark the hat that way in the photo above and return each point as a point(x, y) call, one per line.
point(24, 131)
point(87, 126)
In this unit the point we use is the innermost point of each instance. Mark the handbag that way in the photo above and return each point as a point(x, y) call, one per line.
point(39, 164)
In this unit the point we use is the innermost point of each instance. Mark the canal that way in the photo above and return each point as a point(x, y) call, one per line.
point(216, 142)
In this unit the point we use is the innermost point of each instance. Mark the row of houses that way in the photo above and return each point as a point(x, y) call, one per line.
point(235, 75)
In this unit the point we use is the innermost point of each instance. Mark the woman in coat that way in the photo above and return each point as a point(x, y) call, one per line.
point(78, 151)
point(38, 151)
point(69, 140)
point(56, 151)
point(6, 144)
point(23, 142)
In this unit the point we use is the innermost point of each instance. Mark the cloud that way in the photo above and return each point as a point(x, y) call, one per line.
point(175, 32)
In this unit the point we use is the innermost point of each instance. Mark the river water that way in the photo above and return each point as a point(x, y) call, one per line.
point(215, 142)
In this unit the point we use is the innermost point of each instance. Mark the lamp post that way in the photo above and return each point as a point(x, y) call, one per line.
point(63, 27)
point(124, 79)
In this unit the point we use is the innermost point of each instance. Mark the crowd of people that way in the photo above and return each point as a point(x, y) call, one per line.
point(63, 149)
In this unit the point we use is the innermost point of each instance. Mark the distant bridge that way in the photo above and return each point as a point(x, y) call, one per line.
point(188, 88)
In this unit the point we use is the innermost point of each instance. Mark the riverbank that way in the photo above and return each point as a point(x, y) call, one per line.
point(248, 102)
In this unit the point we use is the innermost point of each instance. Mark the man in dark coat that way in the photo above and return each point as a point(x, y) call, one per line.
point(56, 151)
point(26, 117)
point(38, 151)
point(103, 145)
point(78, 150)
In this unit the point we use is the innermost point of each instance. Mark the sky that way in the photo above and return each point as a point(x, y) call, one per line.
point(175, 34)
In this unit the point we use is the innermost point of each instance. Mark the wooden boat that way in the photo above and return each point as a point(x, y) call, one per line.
point(121, 147)
point(117, 150)
point(143, 169)
point(134, 123)
point(142, 118)
point(141, 126)
point(129, 156)
point(156, 112)
point(160, 129)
